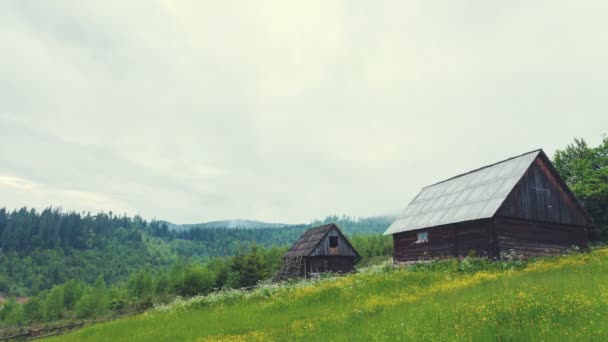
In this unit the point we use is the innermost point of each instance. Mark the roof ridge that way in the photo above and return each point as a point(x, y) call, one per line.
point(484, 167)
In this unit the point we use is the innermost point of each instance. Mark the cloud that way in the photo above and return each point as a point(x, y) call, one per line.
point(15, 183)
point(24, 192)
point(195, 110)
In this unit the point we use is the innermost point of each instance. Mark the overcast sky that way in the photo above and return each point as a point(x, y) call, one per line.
point(281, 111)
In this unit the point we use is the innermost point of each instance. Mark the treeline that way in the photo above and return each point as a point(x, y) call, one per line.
point(144, 288)
point(204, 242)
point(225, 240)
point(76, 299)
point(39, 250)
point(23, 231)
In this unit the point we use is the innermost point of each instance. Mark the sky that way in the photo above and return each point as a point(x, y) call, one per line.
point(193, 111)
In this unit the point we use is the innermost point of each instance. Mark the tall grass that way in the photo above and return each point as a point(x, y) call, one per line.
point(563, 298)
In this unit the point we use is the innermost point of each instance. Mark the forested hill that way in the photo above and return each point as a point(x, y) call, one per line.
point(42, 249)
point(251, 224)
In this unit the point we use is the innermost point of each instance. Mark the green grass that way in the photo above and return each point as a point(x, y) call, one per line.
point(563, 298)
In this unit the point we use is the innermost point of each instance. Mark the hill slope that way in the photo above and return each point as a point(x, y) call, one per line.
point(558, 298)
point(247, 224)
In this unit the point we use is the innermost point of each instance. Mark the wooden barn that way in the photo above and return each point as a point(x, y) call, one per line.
point(517, 206)
point(320, 249)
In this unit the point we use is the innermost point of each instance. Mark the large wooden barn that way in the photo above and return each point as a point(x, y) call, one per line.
point(517, 206)
point(320, 249)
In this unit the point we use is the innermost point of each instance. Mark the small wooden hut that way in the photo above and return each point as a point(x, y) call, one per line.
point(519, 205)
point(319, 250)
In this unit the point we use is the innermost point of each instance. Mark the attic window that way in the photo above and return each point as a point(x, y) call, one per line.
point(422, 237)
point(333, 241)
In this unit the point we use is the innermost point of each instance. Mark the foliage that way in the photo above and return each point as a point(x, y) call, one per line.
point(473, 299)
point(39, 250)
point(585, 170)
point(217, 241)
point(94, 301)
point(145, 288)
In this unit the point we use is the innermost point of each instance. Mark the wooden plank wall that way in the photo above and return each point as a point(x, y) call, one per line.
point(529, 238)
point(474, 236)
point(441, 244)
point(539, 196)
point(491, 239)
point(336, 264)
point(343, 246)
point(455, 240)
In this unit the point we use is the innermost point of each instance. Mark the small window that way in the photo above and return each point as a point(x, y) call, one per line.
point(333, 241)
point(422, 237)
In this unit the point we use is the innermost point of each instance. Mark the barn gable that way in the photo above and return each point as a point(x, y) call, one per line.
point(320, 241)
point(541, 195)
point(474, 195)
point(334, 243)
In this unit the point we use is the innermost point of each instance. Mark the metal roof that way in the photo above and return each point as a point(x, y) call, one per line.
point(470, 196)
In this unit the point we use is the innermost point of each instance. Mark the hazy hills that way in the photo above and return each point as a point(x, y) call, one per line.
point(253, 224)
point(239, 223)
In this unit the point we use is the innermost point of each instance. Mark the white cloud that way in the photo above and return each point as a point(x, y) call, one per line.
point(24, 192)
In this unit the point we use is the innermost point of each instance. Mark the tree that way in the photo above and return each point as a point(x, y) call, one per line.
point(94, 302)
point(33, 310)
point(11, 312)
point(3, 219)
point(141, 284)
point(161, 287)
point(53, 305)
point(250, 267)
point(196, 280)
point(585, 170)
point(72, 291)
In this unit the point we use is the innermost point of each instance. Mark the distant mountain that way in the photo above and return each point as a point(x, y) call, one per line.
point(248, 224)
point(378, 222)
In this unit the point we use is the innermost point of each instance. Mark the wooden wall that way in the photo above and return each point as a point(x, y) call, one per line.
point(344, 248)
point(441, 243)
point(539, 196)
point(528, 238)
point(455, 240)
point(336, 264)
point(490, 238)
point(475, 236)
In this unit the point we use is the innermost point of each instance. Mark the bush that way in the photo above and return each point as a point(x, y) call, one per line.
point(195, 280)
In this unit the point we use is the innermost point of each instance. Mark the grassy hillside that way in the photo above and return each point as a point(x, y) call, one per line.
point(558, 298)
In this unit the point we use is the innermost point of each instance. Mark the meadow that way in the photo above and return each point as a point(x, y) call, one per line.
point(559, 298)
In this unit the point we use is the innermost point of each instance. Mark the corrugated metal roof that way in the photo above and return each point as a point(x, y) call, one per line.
point(470, 196)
